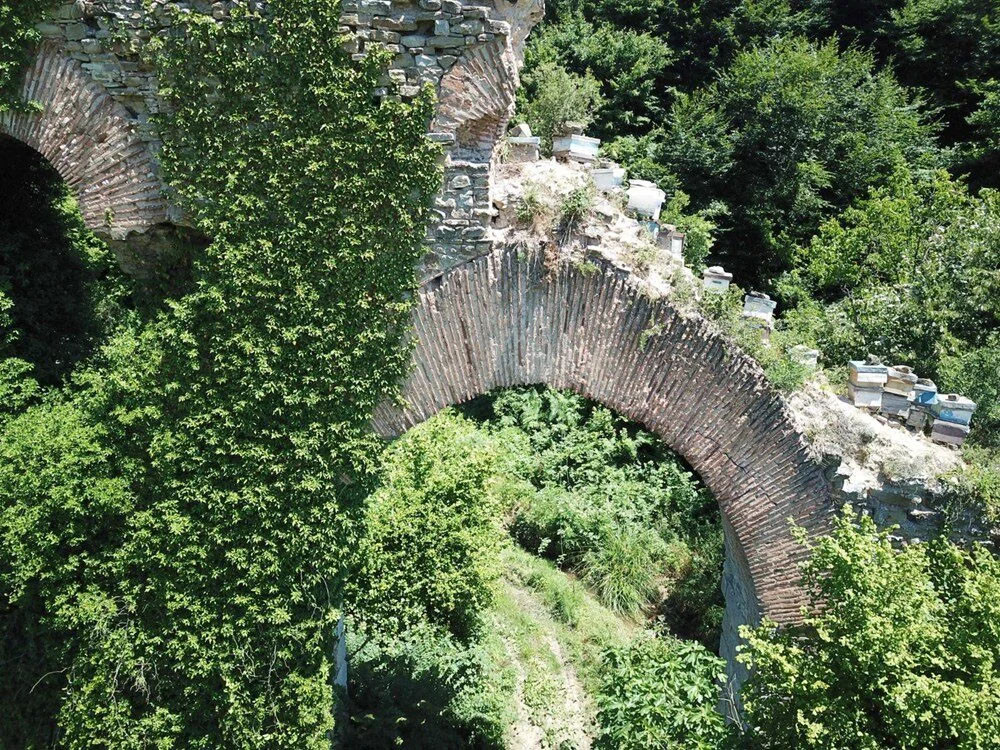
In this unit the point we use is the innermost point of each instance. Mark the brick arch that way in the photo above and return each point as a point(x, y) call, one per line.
point(476, 98)
point(92, 142)
point(500, 320)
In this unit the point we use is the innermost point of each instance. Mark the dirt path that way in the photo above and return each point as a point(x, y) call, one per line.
point(558, 714)
point(523, 735)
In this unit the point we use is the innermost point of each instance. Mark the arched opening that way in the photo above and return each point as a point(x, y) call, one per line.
point(585, 529)
point(505, 319)
point(60, 282)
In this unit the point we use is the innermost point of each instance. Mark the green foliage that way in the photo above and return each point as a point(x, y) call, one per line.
point(951, 49)
point(899, 648)
point(177, 527)
point(17, 37)
point(976, 374)
point(909, 273)
point(17, 388)
point(699, 227)
point(791, 133)
point(612, 504)
point(425, 689)
point(986, 119)
point(430, 548)
point(629, 66)
point(551, 95)
point(977, 485)
point(64, 288)
point(780, 369)
point(702, 35)
point(622, 567)
point(659, 693)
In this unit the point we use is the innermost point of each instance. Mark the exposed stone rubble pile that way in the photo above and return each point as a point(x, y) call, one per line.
point(530, 201)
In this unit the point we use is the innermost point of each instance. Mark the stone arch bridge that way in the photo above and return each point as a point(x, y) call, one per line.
point(504, 319)
point(486, 318)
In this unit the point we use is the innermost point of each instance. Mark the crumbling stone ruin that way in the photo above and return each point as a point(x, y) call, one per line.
point(487, 317)
point(98, 97)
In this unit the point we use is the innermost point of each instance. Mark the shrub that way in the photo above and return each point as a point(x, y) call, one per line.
point(429, 551)
point(559, 524)
point(17, 37)
point(791, 133)
point(574, 207)
point(975, 373)
point(660, 693)
point(622, 567)
point(425, 689)
point(551, 95)
point(693, 605)
point(899, 648)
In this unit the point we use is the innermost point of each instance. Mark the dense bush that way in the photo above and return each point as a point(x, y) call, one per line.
point(909, 273)
point(660, 693)
point(625, 67)
point(791, 133)
point(425, 689)
point(900, 649)
point(612, 503)
point(552, 96)
point(430, 545)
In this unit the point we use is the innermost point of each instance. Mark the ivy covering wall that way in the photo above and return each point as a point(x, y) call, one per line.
point(175, 518)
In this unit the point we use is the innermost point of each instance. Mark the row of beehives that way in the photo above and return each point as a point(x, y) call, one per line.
point(645, 199)
point(897, 392)
point(894, 391)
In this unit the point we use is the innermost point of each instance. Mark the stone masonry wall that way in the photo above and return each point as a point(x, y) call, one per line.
point(470, 52)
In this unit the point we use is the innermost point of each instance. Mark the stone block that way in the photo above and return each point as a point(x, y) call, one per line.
point(444, 42)
point(413, 40)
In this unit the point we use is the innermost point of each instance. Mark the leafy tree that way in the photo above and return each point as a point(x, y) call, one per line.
point(629, 66)
point(791, 133)
point(976, 373)
point(551, 96)
point(703, 35)
point(658, 693)
point(910, 273)
point(899, 648)
point(951, 48)
point(427, 690)
point(428, 559)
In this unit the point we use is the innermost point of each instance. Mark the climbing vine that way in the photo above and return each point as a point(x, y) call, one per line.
point(17, 35)
point(208, 492)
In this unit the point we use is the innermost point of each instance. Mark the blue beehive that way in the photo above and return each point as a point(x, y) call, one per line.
point(954, 408)
point(925, 392)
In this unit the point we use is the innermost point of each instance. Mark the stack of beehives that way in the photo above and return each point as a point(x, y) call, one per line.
point(897, 392)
